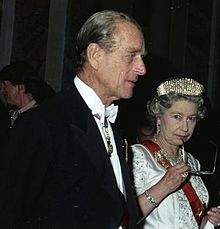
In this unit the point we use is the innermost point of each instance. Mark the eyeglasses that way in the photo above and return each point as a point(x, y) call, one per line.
point(195, 172)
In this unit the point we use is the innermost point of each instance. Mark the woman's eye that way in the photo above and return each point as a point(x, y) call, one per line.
point(192, 119)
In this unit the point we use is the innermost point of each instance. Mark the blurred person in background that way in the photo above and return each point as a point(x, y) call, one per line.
point(22, 88)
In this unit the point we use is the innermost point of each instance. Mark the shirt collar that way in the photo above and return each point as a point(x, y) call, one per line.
point(94, 102)
point(32, 104)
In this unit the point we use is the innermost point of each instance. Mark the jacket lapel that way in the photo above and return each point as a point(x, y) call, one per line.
point(86, 133)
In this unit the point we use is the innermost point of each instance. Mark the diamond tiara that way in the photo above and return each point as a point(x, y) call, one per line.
point(184, 86)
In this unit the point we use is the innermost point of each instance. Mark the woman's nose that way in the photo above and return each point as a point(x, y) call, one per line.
point(185, 126)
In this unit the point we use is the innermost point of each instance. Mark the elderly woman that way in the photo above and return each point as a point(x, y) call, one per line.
point(169, 195)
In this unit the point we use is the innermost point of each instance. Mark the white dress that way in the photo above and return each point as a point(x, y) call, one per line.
point(174, 212)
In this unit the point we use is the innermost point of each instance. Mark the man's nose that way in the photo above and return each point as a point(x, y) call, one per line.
point(140, 68)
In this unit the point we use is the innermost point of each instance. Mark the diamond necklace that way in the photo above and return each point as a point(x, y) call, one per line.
point(173, 160)
point(162, 155)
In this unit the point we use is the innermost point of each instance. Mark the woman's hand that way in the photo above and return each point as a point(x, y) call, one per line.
point(214, 216)
point(170, 182)
point(174, 177)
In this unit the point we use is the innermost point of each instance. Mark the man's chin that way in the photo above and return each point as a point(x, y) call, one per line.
point(128, 96)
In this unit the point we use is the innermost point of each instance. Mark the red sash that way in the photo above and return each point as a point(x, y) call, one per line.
point(197, 206)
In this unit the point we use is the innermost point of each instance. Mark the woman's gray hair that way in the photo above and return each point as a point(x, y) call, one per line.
point(158, 105)
point(100, 28)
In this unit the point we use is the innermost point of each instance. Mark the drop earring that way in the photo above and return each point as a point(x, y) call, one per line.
point(158, 126)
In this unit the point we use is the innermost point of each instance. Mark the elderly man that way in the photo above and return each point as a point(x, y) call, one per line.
point(72, 172)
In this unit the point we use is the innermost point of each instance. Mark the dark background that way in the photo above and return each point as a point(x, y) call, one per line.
point(182, 37)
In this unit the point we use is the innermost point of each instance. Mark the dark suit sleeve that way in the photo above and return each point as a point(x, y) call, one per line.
point(23, 164)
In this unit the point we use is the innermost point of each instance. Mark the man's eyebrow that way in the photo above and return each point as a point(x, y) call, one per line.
point(134, 50)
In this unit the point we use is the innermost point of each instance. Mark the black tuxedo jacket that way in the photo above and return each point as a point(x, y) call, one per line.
point(55, 172)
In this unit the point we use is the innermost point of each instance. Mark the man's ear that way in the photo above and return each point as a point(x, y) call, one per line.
point(21, 88)
point(94, 53)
